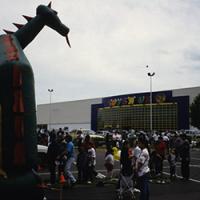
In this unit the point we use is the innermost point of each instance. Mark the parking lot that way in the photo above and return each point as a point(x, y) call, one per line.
point(178, 189)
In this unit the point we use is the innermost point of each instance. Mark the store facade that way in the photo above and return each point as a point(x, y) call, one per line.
point(132, 111)
point(170, 111)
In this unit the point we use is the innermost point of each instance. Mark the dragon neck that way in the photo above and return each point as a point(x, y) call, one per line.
point(29, 31)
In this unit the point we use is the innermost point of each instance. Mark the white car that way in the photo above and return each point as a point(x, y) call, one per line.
point(42, 156)
point(97, 139)
point(42, 149)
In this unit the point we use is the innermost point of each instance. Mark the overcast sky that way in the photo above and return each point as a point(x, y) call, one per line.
point(112, 42)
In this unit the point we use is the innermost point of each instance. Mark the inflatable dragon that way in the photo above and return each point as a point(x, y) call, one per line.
point(18, 139)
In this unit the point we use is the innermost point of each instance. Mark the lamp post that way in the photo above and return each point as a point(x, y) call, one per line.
point(151, 75)
point(50, 93)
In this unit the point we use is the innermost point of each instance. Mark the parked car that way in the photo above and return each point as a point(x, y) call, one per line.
point(42, 155)
point(103, 133)
point(97, 139)
point(42, 149)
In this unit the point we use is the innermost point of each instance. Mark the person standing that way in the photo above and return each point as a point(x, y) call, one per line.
point(125, 162)
point(136, 151)
point(81, 164)
point(142, 168)
point(79, 139)
point(108, 140)
point(185, 157)
point(172, 163)
point(109, 162)
point(52, 153)
point(126, 159)
point(70, 160)
point(160, 152)
point(91, 163)
point(61, 157)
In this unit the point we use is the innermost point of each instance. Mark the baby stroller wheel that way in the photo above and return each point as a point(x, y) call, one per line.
point(118, 195)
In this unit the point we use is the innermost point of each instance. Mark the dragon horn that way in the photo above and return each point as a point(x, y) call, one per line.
point(18, 25)
point(8, 32)
point(67, 39)
point(27, 18)
point(49, 5)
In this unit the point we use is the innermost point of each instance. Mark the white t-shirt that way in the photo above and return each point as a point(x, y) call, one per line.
point(92, 155)
point(135, 152)
point(143, 161)
point(109, 159)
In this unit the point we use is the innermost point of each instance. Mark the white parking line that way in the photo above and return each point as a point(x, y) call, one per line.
point(195, 158)
point(115, 170)
point(191, 179)
point(179, 165)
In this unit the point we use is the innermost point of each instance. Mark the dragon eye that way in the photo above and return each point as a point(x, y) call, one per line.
point(55, 12)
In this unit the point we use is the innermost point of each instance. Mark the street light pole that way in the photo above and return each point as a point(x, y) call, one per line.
point(50, 92)
point(151, 75)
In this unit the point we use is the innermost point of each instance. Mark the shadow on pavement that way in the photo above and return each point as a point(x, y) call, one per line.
point(173, 191)
point(85, 192)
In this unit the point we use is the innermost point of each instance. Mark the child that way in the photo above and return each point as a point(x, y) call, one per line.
point(109, 162)
point(172, 163)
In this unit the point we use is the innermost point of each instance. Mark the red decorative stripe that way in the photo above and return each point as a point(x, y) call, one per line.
point(19, 127)
point(19, 157)
point(11, 51)
point(18, 109)
point(18, 105)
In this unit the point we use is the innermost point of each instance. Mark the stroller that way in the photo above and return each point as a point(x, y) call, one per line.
point(126, 190)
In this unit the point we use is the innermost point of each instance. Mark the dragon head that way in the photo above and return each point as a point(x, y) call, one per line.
point(52, 20)
point(45, 15)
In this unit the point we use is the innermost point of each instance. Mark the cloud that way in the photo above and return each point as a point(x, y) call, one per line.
point(112, 42)
point(193, 54)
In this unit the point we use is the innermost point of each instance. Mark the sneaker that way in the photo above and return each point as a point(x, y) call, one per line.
point(162, 181)
point(136, 190)
point(73, 184)
point(158, 181)
point(89, 182)
point(100, 176)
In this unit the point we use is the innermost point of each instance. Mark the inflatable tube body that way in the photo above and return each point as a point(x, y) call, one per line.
point(18, 139)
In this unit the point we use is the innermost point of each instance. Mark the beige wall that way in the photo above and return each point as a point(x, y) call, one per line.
point(191, 92)
point(76, 113)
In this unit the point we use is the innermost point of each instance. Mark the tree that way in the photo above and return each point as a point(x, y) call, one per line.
point(195, 112)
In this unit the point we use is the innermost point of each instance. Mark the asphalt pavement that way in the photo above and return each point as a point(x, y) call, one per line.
point(169, 191)
point(177, 189)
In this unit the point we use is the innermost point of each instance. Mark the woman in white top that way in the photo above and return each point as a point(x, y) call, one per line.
point(142, 167)
point(109, 162)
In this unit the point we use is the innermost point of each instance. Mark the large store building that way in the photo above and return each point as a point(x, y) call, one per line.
point(170, 111)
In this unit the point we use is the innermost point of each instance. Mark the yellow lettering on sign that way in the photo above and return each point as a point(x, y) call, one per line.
point(131, 100)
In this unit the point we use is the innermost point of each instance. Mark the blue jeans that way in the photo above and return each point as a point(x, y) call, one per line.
point(143, 184)
point(68, 172)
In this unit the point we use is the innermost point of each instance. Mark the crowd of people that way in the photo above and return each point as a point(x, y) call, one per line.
point(61, 156)
point(141, 155)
